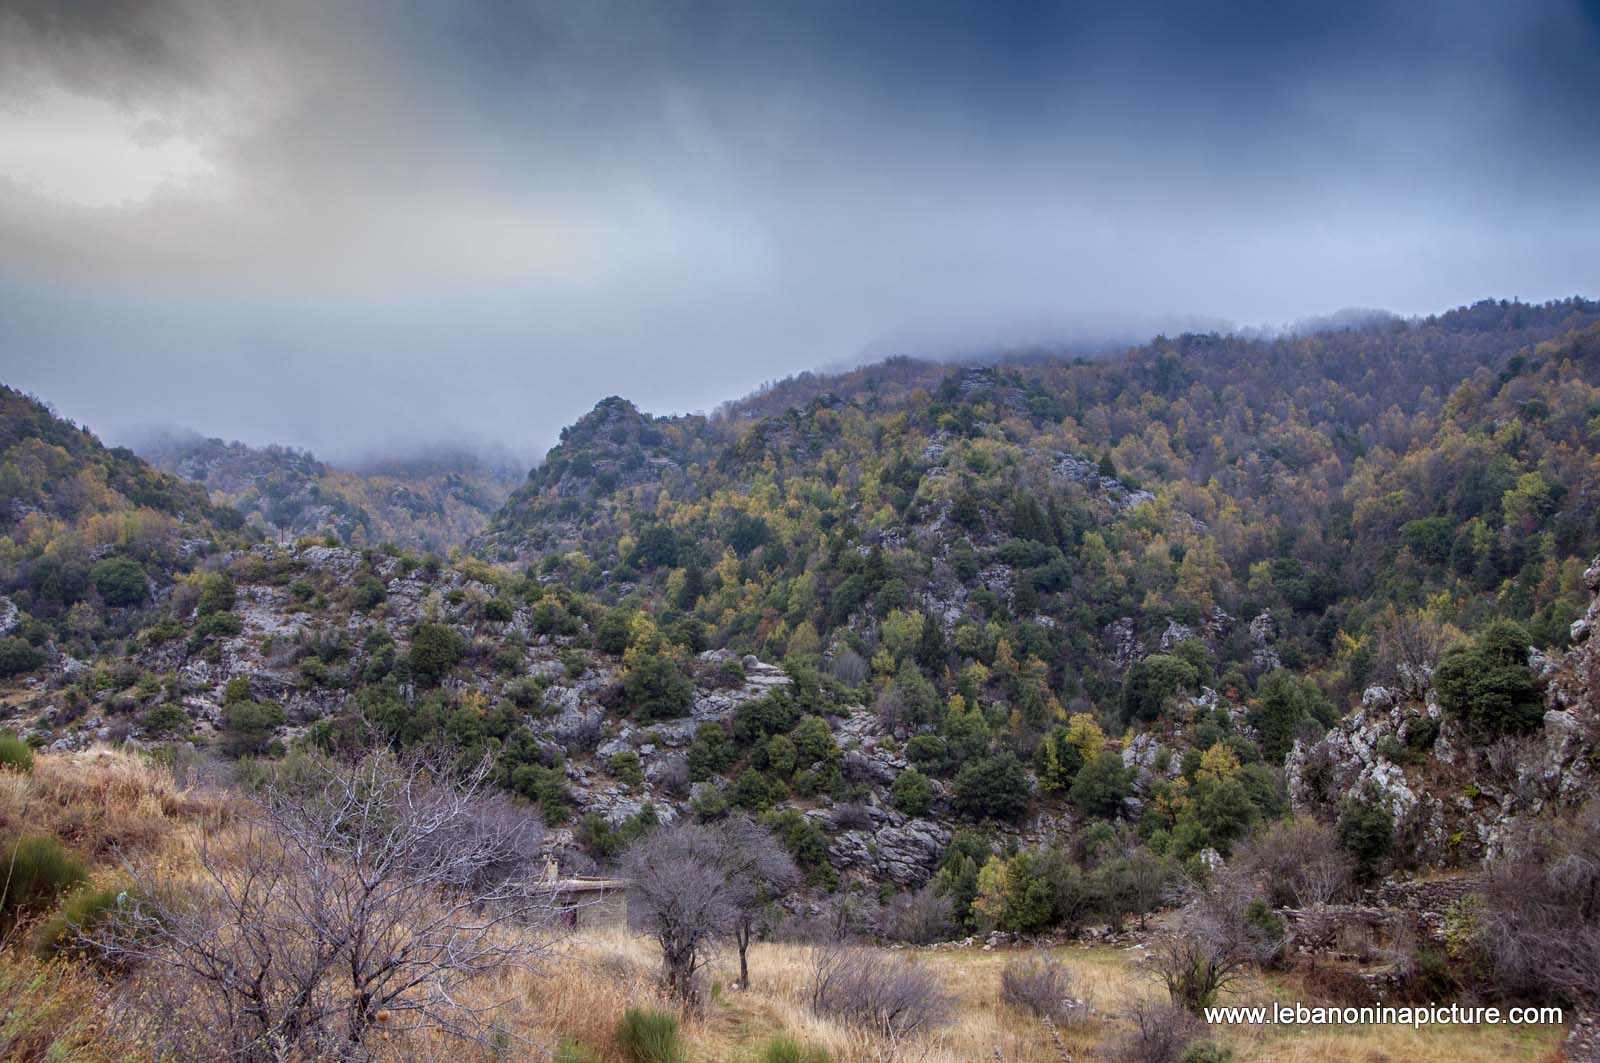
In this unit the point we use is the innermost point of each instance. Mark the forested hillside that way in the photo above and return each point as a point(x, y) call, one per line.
point(1245, 492)
point(430, 502)
point(1026, 636)
point(88, 535)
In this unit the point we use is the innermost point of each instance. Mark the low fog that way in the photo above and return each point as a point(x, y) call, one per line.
point(367, 227)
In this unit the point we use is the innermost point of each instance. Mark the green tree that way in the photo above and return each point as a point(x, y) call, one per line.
point(1283, 703)
point(216, 594)
point(248, 726)
point(121, 581)
point(1488, 685)
point(995, 787)
point(435, 650)
point(655, 688)
point(1101, 786)
point(1365, 828)
point(911, 793)
point(1150, 682)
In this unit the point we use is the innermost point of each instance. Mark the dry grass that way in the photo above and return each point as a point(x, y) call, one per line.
point(106, 806)
point(102, 804)
point(50, 1013)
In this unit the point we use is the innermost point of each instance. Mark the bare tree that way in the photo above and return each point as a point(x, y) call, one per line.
point(918, 918)
point(1408, 647)
point(1298, 863)
point(361, 897)
point(1541, 917)
point(1150, 877)
point(694, 882)
point(1219, 941)
point(761, 872)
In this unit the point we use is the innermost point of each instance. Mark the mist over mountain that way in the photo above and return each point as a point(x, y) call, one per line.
point(650, 531)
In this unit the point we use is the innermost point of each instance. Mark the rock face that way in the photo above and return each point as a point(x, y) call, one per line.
point(1451, 798)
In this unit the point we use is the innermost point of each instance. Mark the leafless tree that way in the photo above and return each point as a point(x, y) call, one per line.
point(1298, 863)
point(1541, 917)
point(362, 897)
point(1150, 878)
point(694, 882)
point(1217, 943)
point(1408, 646)
point(919, 918)
point(761, 872)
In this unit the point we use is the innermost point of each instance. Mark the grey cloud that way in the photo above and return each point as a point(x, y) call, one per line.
point(472, 220)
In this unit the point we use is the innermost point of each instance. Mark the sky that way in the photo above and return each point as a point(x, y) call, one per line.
point(380, 224)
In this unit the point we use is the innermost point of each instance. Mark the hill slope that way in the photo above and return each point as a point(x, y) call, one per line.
point(432, 502)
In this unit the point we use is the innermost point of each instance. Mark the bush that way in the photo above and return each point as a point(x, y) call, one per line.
point(83, 911)
point(14, 753)
point(785, 1049)
point(646, 1035)
point(435, 649)
point(120, 581)
point(1489, 686)
point(862, 988)
point(1041, 986)
point(18, 657)
point(995, 788)
point(34, 873)
point(911, 793)
point(567, 1052)
point(1161, 1033)
point(1208, 1052)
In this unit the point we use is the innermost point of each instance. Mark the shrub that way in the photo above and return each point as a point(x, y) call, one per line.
point(83, 911)
point(1161, 1034)
point(34, 873)
point(646, 1035)
point(14, 753)
point(785, 1049)
point(1208, 1052)
point(17, 656)
point(625, 768)
point(911, 793)
point(567, 1052)
point(1489, 685)
point(120, 581)
point(995, 787)
point(862, 988)
point(1040, 986)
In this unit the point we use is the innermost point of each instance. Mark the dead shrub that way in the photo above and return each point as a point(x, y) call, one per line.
point(1042, 987)
point(1161, 1033)
point(894, 998)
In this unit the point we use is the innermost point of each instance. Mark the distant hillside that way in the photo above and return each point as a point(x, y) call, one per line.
point(426, 502)
point(89, 534)
point(1090, 512)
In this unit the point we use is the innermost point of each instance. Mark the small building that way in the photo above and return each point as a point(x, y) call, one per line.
point(586, 902)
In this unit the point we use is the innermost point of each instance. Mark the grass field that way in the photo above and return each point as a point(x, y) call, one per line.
point(109, 806)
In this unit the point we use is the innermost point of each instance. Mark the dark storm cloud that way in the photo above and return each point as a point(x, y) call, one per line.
point(393, 221)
